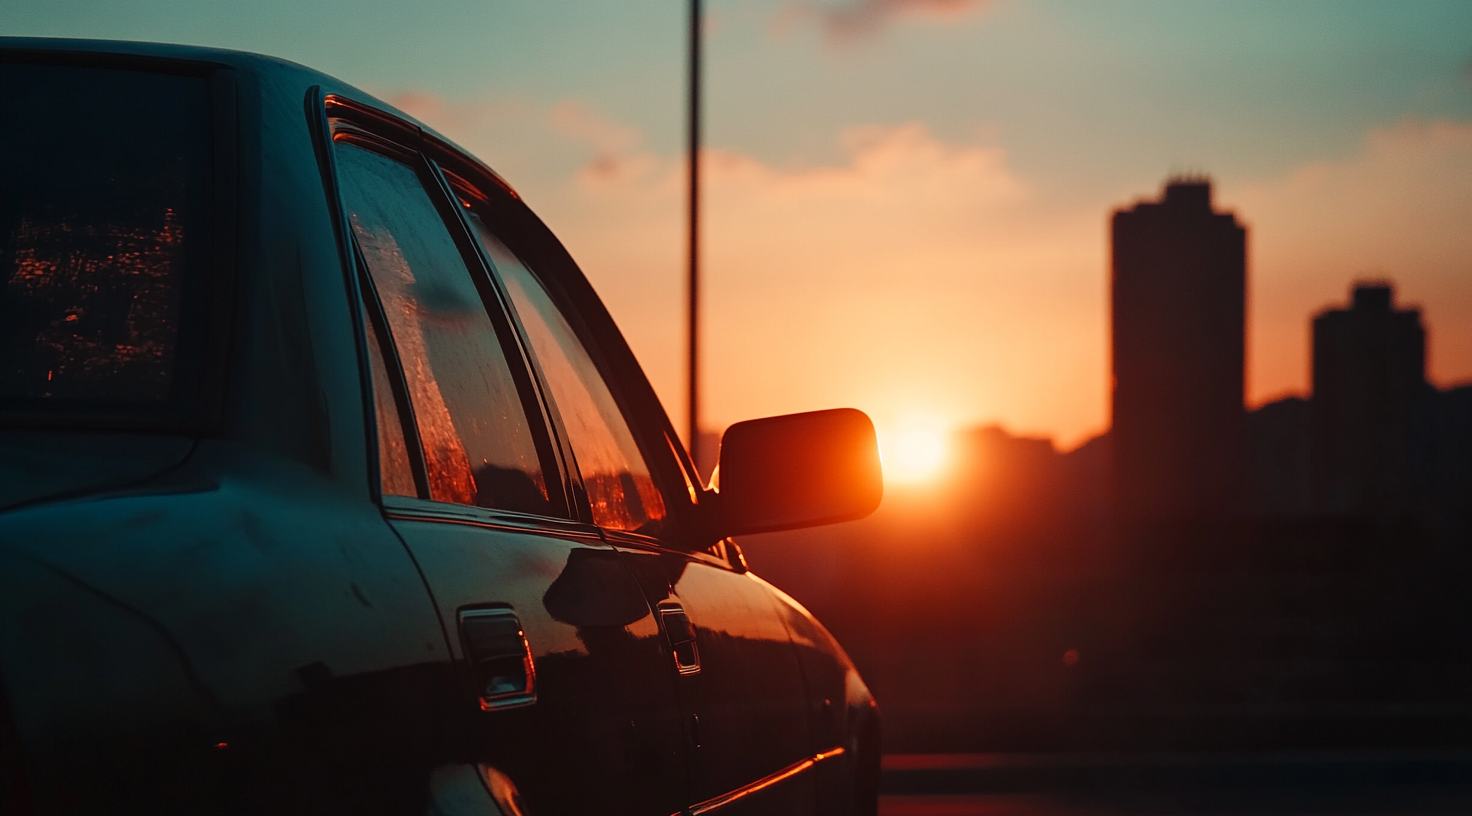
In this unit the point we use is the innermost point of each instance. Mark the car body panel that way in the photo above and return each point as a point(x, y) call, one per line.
point(242, 619)
point(605, 710)
point(41, 465)
point(746, 705)
point(841, 710)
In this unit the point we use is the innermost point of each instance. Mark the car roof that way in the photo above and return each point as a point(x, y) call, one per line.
point(276, 69)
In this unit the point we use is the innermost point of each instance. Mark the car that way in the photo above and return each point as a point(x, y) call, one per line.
point(328, 485)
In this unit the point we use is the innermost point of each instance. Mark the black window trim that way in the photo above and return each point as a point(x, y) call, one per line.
point(203, 355)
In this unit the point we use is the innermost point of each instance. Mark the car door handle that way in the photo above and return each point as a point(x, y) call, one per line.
point(678, 629)
point(500, 658)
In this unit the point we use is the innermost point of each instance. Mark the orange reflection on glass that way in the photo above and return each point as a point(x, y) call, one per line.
point(622, 501)
point(445, 459)
point(396, 478)
point(615, 476)
point(102, 304)
point(480, 445)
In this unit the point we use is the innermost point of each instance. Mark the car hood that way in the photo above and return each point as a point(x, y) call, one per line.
point(37, 465)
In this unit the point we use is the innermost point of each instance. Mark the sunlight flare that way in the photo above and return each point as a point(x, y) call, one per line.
point(913, 452)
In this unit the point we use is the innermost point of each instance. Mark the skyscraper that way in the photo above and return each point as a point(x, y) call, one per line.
point(1179, 321)
point(1369, 381)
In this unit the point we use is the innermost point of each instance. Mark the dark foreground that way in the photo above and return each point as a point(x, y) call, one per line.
point(1323, 784)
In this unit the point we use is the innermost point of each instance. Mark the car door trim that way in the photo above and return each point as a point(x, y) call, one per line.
point(620, 539)
point(403, 508)
point(716, 803)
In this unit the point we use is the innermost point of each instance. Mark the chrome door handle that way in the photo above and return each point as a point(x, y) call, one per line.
point(678, 629)
point(500, 658)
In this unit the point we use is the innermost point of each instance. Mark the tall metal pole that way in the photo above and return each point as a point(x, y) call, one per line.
point(694, 226)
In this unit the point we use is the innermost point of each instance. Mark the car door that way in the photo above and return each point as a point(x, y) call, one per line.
point(739, 681)
point(568, 706)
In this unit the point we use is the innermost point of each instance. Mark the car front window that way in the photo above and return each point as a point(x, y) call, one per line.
point(615, 475)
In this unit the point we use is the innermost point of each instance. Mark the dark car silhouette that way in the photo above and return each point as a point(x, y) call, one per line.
point(328, 485)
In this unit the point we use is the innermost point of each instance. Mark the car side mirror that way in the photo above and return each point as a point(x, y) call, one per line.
point(798, 470)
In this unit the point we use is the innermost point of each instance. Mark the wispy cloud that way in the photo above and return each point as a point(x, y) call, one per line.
point(617, 149)
point(859, 20)
point(524, 138)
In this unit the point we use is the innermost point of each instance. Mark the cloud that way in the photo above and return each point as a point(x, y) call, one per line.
point(459, 115)
point(617, 148)
point(533, 139)
point(862, 19)
point(1397, 208)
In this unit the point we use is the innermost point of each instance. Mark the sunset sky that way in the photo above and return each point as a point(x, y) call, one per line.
point(908, 200)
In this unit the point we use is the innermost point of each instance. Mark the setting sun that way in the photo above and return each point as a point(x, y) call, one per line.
point(913, 453)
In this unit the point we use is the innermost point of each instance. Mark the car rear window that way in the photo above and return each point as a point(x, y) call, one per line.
point(105, 185)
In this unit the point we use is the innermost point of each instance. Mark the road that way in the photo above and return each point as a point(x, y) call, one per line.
point(1435, 783)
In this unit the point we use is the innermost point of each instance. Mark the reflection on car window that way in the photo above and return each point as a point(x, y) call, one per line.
point(620, 490)
point(396, 475)
point(478, 445)
point(104, 184)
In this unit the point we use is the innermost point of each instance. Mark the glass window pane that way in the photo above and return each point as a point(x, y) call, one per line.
point(104, 189)
point(620, 490)
point(396, 475)
point(478, 445)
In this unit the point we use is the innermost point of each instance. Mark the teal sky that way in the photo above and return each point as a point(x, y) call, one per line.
point(1082, 93)
point(1089, 105)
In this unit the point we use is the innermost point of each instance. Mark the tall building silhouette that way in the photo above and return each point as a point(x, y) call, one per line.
point(1369, 384)
point(1179, 317)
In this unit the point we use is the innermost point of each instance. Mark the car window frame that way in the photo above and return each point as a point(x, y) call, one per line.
point(338, 118)
point(207, 368)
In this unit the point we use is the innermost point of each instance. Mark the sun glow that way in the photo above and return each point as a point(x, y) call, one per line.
point(913, 452)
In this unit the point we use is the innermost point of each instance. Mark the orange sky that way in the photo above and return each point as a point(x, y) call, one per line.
point(924, 280)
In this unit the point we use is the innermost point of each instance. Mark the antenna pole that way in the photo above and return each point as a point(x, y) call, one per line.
point(694, 227)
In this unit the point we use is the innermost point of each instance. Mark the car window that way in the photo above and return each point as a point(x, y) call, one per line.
point(105, 182)
point(395, 473)
point(477, 442)
point(614, 472)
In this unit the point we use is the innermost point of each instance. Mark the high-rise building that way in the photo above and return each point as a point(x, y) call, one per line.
point(1369, 383)
point(1179, 321)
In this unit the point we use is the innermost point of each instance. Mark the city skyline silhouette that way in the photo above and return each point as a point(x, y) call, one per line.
point(1025, 600)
